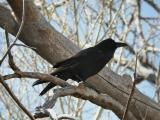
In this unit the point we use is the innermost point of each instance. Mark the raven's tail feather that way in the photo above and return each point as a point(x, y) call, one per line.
point(37, 82)
point(47, 88)
point(59, 74)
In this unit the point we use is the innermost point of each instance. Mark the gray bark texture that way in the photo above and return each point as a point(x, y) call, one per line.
point(53, 47)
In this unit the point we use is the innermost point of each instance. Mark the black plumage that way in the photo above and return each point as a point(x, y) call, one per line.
point(84, 64)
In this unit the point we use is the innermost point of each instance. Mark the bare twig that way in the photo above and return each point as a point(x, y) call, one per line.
point(18, 33)
point(113, 20)
point(153, 4)
point(98, 113)
point(15, 68)
point(36, 75)
point(15, 98)
point(132, 91)
point(10, 57)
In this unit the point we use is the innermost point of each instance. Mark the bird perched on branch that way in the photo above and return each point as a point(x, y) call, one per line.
point(84, 64)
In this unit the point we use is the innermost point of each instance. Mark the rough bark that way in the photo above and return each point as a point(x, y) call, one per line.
point(53, 46)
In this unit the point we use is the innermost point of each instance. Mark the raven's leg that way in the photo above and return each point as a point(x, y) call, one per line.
point(79, 79)
point(86, 84)
point(91, 87)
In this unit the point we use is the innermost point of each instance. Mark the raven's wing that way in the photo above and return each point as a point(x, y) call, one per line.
point(67, 62)
point(76, 59)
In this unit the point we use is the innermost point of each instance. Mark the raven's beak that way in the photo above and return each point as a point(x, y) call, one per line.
point(119, 44)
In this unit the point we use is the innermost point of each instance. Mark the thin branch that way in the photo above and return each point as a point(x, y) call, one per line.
point(10, 57)
point(99, 113)
point(15, 68)
point(132, 91)
point(151, 3)
point(36, 75)
point(18, 33)
point(114, 18)
point(15, 98)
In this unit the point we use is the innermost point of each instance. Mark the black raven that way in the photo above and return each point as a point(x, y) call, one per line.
point(84, 64)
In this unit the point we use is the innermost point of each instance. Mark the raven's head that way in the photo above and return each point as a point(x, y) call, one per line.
point(110, 44)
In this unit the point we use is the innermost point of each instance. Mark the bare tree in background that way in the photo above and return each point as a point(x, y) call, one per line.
point(55, 30)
